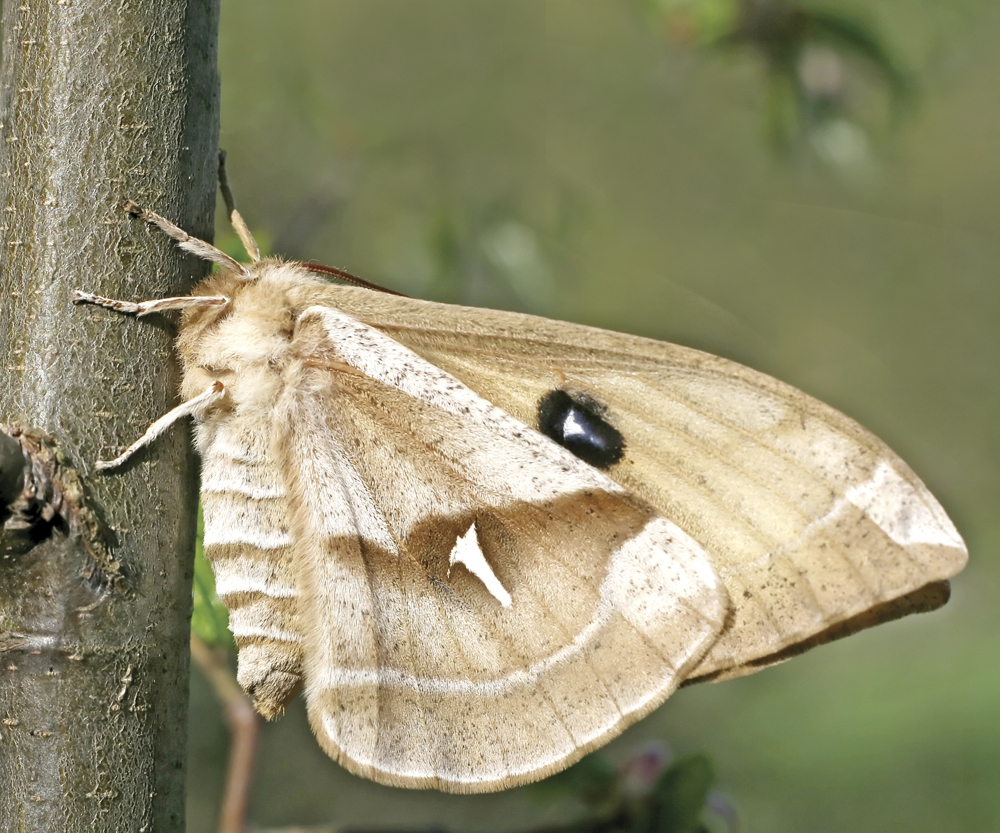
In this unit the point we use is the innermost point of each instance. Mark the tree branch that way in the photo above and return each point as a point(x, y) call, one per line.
point(100, 102)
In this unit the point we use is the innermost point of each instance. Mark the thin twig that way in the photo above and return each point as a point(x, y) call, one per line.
point(244, 723)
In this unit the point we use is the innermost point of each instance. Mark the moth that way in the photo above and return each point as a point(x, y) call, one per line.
point(484, 542)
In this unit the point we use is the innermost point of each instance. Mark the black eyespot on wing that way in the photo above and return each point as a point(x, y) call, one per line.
point(577, 424)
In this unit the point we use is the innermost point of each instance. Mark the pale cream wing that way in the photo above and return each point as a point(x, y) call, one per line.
point(817, 528)
point(482, 607)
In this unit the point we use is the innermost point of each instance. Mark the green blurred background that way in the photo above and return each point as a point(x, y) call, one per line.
point(594, 161)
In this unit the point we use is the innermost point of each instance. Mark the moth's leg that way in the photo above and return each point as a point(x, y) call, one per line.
point(146, 307)
point(196, 406)
point(235, 218)
point(186, 241)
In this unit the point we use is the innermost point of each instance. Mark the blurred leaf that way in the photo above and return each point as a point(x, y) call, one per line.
point(809, 53)
point(782, 115)
point(680, 796)
point(701, 22)
point(852, 36)
point(490, 256)
point(592, 780)
point(209, 617)
point(676, 803)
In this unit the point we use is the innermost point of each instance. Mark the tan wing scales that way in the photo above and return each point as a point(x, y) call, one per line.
point(416, 674)
point(810, 519)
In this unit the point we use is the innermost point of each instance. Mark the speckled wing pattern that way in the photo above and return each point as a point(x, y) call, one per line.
point(333, 528)
point(817, 528)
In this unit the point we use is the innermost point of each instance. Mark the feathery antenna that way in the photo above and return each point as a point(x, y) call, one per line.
point(185, 240)
point(239, 225)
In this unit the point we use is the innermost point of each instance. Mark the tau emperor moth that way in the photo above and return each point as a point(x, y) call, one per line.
point(484, 542)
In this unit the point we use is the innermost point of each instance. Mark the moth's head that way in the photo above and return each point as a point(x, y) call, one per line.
point(254, 323)
point(265, 291)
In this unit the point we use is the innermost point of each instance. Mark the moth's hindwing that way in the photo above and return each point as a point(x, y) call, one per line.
point(470, 606)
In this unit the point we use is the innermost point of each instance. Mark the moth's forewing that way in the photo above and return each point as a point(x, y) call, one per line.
point(810, 519)
point(416, 673)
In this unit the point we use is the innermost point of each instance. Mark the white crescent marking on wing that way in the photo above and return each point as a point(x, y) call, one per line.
point(468, 552)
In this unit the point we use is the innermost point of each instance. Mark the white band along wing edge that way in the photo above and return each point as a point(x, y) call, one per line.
point(642, 555)
point(895, 507)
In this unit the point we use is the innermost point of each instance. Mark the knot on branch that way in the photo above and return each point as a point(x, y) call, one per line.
point(40, 491)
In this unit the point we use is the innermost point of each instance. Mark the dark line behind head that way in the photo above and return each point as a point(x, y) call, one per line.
point(347, 276)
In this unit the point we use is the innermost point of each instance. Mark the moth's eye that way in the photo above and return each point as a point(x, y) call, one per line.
point(578, 426)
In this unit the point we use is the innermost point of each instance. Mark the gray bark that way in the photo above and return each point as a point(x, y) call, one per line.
point(100, 101)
